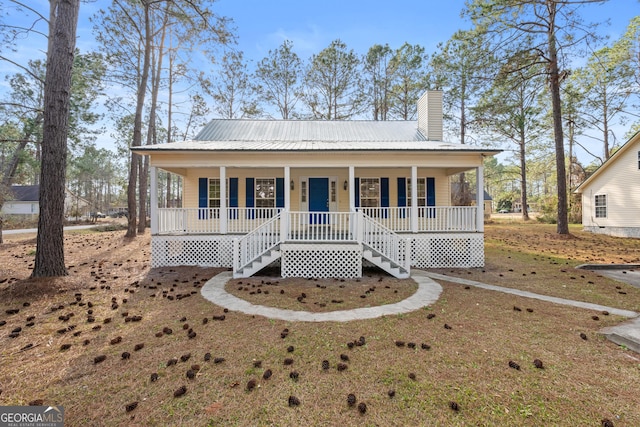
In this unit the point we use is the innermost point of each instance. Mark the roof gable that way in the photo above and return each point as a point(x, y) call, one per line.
point(25, 193)
point(632, 142)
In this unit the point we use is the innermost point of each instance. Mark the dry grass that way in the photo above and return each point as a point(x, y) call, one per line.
point(583, 381)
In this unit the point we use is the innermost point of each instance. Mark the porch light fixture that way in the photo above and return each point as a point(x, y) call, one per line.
point(292, 185)
point(345, 185)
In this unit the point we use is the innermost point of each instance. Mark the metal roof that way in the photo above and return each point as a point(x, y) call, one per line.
point(308, 135)
point(309, 130)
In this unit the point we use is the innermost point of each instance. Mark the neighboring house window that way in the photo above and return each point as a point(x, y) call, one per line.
point(369, 192)
point(422, 192)
point(601, 205)
point(265, 193)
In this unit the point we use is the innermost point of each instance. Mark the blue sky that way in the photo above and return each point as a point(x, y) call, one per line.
point(262, 25)
point(311, 25)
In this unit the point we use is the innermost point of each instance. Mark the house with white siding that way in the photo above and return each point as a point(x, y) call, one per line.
point(611, 195)
point(319, 198)
point(24, 201)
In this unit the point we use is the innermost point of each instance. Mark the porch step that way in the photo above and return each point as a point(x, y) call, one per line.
point(381, 261)
point(258, 264)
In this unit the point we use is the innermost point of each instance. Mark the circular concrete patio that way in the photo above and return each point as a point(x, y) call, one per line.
point(428, 292)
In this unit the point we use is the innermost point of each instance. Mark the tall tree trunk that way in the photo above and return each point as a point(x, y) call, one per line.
point(554, 84)
point(49, 260)
point(523, 177)
point(151, 128)
point(137, 126)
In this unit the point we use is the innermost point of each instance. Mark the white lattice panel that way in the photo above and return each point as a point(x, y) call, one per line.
point(205, 251)
point(321, 260)
point(447, 250)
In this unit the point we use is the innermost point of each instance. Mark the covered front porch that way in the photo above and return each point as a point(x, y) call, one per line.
point(334, 236)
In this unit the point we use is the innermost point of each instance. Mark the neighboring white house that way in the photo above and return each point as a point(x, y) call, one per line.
point(611, 195)
point(319, 197)
point(24, 200)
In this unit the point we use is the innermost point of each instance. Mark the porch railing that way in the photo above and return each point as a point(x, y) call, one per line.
point(385, 241)
point(316, 225)
point(250, 246)
point(430, 218)
point(321, 226)
point(207, 220)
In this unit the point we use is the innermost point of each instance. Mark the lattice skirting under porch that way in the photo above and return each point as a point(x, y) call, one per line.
point(203, 251)
point(440, 250)
point(463, 250)
point(321, 260)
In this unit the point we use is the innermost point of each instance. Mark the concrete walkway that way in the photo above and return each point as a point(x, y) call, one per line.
point(428, 292)
point(626, 334)
point(555, 300)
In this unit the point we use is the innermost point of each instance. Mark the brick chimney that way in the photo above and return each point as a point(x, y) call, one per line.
point(430, 115)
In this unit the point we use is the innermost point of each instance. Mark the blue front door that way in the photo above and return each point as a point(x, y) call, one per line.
point(318, 199)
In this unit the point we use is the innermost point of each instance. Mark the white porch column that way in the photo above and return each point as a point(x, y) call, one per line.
point(287, 189)
point(224, 201)
point(352, 189)
point(480, 198)
point(153, 171)
point(414, 199)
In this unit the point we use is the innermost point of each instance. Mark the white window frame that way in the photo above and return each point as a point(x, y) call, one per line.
point(422, 192)
point(375, 199)
point(600, 205)
point(262, 199)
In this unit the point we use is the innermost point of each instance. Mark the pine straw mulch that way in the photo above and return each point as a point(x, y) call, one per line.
point(113, 303)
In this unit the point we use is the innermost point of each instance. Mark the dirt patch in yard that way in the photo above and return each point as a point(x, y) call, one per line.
point(375, 288)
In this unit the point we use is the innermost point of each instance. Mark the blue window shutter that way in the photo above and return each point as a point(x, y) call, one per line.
point(402, 194)
point(233, 197)
point(431, 196)
point(279, 192)
point(384, 194)
point(233, 192)
point(249, 193)
point(249, 197)
point(203, 197)
point(431, 191)
point(357, 190)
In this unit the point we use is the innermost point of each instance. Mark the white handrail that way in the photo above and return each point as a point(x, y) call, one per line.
point(385, 241)
point(252, 245)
